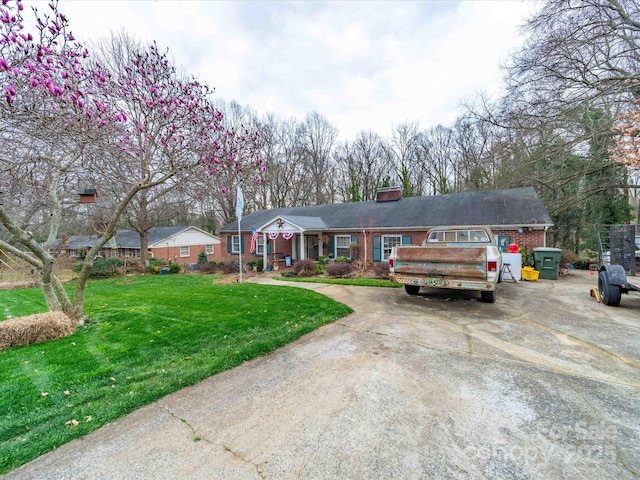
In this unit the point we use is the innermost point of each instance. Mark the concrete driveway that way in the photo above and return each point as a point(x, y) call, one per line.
point(542, 384)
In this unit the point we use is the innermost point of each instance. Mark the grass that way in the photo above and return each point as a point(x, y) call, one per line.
point(147, 337)
point(359, 282)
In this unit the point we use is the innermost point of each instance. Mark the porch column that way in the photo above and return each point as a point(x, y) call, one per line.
point(303, 254)
point(264, 251)
point(320, 251)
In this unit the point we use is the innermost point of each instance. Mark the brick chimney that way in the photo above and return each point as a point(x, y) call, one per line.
point(388, 194)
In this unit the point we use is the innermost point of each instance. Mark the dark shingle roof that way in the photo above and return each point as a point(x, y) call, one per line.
point(131, 238)
point(508, 207)
point(125, 238)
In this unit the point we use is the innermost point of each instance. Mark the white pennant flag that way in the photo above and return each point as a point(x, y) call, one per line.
point(239, 202)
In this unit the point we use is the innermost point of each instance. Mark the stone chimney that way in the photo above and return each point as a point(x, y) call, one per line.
point(388, 194)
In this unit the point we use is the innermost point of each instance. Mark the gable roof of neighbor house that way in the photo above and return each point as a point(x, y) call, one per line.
point(514, 207)
point(131, 238)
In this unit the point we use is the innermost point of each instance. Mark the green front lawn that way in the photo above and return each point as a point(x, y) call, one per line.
point(147, 336)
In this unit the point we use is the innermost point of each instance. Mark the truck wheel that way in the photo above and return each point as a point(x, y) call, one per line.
point(489, 297)
point(609, 294)
point(412, 289)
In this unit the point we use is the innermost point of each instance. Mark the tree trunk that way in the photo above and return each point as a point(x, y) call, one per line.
point(144, 246)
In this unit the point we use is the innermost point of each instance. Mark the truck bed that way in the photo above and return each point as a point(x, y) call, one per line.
point(442, 260)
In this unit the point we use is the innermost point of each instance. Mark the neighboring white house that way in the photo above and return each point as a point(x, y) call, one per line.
point(171, 244)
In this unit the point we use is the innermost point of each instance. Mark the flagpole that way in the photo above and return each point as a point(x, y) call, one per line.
point(240, 252)
point(239, 208)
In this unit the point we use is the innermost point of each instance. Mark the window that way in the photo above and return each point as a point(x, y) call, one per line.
point(460, 236)
point(208, 249)
point(342, 245)
point(185, 251)
point(388, 242)
point(73, 252)
point(235, 243)
point(260, 245)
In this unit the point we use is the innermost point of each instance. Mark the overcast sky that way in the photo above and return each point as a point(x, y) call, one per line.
point(361, 65)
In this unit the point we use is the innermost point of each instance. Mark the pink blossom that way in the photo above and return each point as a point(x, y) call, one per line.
point(11, 90)
point(3, 64)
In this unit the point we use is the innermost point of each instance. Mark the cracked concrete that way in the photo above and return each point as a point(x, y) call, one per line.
point(545, 383)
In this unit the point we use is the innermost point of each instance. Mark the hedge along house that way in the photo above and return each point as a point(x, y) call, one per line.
point(170, 244)
point(369, 230)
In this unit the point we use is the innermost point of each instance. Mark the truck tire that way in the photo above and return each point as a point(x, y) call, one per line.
point(609, 294)
point(489, 297)
point(412, 289)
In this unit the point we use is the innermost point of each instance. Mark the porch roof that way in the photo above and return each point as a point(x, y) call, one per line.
point(293, 223)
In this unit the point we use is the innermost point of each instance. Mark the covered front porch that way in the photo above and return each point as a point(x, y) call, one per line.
point(285, 239)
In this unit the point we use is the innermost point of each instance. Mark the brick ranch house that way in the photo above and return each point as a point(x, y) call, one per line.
point(369, 230)
point(171, 244)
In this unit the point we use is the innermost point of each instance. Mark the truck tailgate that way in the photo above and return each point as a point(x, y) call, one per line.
point(442, 261)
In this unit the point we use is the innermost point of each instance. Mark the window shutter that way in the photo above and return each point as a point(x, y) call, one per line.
point(241, 243)
point(332, 246)
point(354, 239)
point(268, 246)
point(406, 240)
point(229, 243)
point(377, 249)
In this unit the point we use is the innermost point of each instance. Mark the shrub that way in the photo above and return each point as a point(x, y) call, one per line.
point(339, 269)
point(106, 267)
point(134, 266)
point(568, 256)
point(381, 270)
point(174, 268)
point(209, 267)
point(305, 267)
point(341, 259)
point(155, 264)
point(230, 267)
point(322, 260)
point(354, 250)
point(202, 257)
point(260, 264)
point(527, 257)
point(586, 258)
point(109, 267)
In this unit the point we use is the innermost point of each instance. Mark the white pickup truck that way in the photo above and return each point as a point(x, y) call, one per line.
point(460, 257)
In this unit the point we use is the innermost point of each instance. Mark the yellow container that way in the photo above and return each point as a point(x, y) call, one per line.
point(528, 273)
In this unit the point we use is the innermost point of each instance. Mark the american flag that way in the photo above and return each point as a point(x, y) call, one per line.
point(254, 240)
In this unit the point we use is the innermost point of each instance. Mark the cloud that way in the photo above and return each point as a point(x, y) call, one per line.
point(362, 65)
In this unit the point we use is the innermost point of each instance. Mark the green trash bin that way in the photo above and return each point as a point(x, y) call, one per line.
point(547, 262)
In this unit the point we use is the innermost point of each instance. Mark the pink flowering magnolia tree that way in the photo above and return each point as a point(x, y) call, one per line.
point(171, 123)
point(65, 117)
